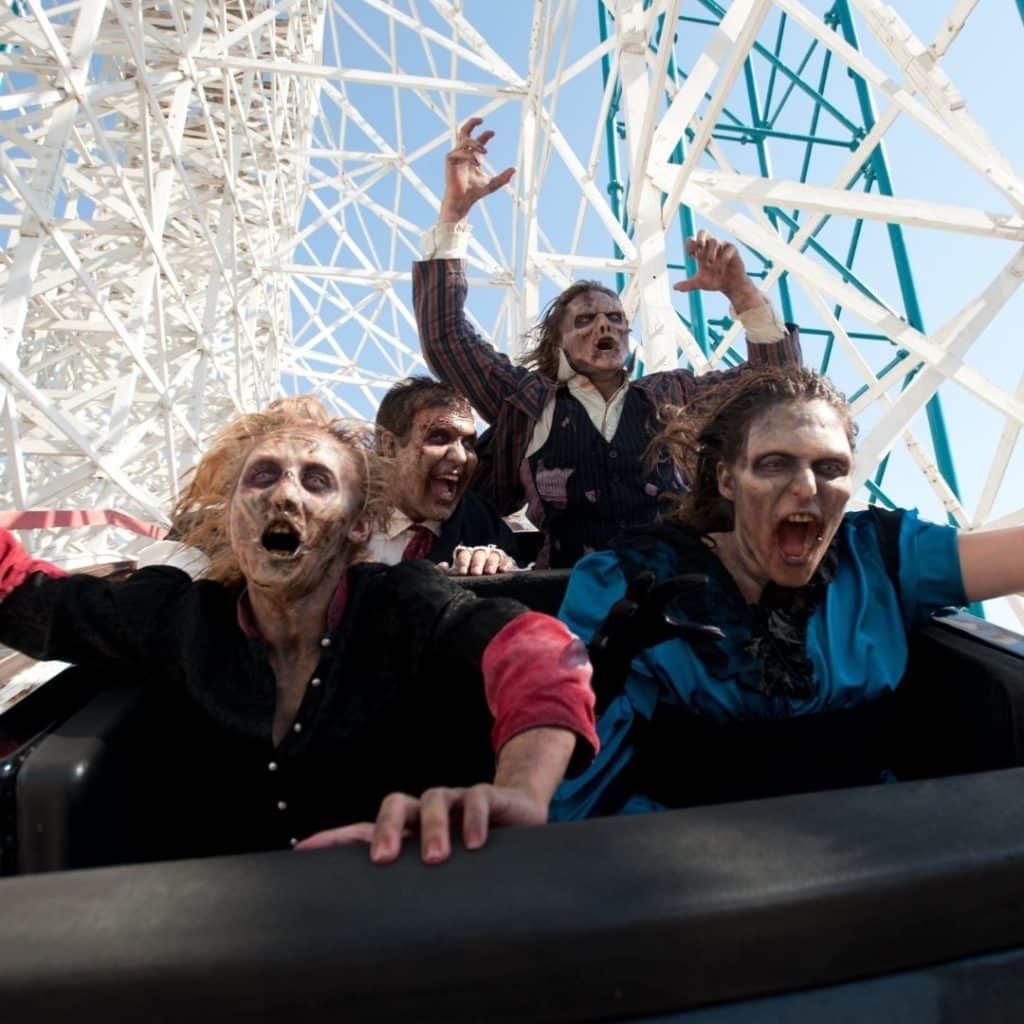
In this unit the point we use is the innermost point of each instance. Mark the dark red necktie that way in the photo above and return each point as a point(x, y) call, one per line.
point(420, 543)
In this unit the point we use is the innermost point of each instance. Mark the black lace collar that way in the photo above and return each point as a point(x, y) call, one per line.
point(765, 645)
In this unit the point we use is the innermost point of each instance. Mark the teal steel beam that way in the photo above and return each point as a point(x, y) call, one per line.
point(772, 118)
point(753, 132)
point(826, 65)
point(837, 265)
point(787, 72)
point(774, 72)
point(615, 187)
point(765, 167)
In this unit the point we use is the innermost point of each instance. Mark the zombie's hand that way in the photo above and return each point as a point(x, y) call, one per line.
point(720, 269)
point(648, 615)
point(433, 815)
point(482, 560)
point(465, 181)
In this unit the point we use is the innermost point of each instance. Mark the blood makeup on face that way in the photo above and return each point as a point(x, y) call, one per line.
point(290, 513)
point(595, 334)
point(434, 464)
point(789, 490)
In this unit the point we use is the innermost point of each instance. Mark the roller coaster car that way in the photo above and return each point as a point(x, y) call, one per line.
point(903, 901)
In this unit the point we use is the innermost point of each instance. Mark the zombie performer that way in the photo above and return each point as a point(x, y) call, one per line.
point(801, 626)
point(302, 686)
point(427, 430)
point(570, 430)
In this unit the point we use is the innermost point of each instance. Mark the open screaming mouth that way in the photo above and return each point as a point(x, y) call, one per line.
point(281, 539)
point(798, 535)
point(445, 487)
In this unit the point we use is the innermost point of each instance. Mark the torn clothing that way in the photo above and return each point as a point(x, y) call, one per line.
point(517, 402)
point(578, 469)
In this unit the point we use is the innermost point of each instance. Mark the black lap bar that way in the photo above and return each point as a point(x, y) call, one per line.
point(608, 919)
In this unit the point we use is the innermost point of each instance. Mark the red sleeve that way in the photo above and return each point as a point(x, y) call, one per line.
point(536, 673)
point(16, 565)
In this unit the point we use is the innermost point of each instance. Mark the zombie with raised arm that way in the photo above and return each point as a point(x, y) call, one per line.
point(570, 429)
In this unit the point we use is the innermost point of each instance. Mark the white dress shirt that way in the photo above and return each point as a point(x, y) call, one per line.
point(388, 546)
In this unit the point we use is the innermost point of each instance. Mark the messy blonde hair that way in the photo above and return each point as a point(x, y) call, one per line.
point(713, 428)
point(200, 515)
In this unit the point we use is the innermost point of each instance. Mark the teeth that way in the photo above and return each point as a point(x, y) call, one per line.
point(799, 518)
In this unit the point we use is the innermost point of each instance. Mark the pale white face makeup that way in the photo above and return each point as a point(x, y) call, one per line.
point(295, 511)
point(789, 490)
point(595, 334)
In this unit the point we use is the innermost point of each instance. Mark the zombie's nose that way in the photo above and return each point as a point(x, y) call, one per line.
point(286, 490)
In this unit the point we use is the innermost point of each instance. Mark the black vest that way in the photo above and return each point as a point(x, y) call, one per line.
point(592, 489)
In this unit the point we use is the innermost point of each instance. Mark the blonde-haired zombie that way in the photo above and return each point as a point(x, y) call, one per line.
point(299, 428)
point(309, 688)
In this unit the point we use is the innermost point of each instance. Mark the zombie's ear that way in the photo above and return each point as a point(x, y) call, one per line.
point(360, 530)
point(386, 443)
point(726, 481)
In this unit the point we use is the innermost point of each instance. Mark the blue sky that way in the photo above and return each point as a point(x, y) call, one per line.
point(986, 65)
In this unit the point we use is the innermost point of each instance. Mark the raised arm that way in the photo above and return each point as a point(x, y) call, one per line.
point(50, 615)
point(452, 348)
point(992, 563)
point(720, 268)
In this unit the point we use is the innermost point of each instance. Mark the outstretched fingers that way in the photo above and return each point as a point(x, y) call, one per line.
point(435, 823)
point(476, 815)
point(717, 262)
point(348, 835)
point(468, 148)
point(467, 129)
point(433, 815)
point(501, 180)
point(398, 813)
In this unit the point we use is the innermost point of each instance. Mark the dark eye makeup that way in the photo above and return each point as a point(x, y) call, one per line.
point(317, 479)
point(444, 438)
point(262, 473)
point(831, 469)
point(585, 319)
point(265, 473)
point(773, 463)
point(779, 462)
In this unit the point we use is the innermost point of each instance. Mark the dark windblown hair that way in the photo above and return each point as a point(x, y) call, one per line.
point(398, 408)
point(714, 426)
point(544, 339)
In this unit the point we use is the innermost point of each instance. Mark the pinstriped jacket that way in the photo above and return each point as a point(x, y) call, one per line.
point(511, 398)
